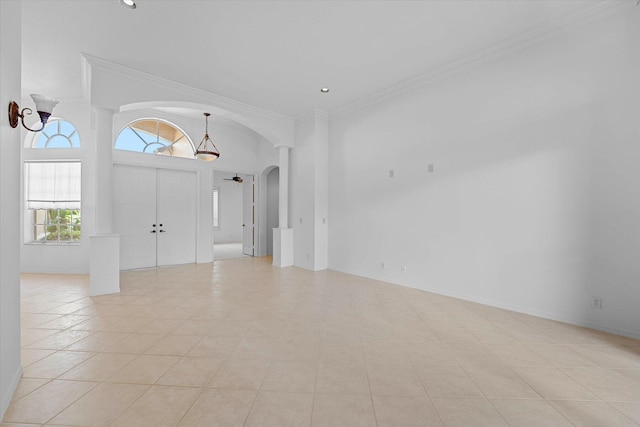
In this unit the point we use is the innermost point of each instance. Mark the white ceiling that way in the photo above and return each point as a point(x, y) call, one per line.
point(272, 54)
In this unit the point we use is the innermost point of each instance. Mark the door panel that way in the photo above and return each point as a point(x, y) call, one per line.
point(144, 197)
point(134, 215)
point(176, 203)
point(248, 216)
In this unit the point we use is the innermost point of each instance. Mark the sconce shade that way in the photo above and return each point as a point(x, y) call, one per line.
point(44, 104)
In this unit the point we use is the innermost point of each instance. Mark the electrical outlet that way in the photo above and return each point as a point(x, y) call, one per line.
point(430, 168)
point(403, 269)
point(391, 173)
point(382, 265)
point(596, 302)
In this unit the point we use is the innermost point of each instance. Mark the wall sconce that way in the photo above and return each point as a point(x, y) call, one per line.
point(44, 107)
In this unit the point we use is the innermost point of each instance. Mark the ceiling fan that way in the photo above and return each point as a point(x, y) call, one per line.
point(235, 178)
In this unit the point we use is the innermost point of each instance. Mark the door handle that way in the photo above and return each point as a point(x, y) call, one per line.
point(162, 231)
point(152, 231)
point(153, 225)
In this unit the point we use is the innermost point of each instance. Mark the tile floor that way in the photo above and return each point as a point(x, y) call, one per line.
point(241, 343)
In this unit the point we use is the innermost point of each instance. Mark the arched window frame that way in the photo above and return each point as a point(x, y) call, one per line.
point(157, 145)
point(55, 130)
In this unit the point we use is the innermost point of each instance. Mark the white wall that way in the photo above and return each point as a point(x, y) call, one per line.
point(309, 191)
point(10, 86)
point(273, 182)
point(230, 209)
point(532, 204)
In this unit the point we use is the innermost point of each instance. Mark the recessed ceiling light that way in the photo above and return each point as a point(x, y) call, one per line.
point(131, 4)
point(324, 90)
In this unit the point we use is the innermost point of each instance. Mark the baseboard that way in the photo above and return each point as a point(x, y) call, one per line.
point(8, 395)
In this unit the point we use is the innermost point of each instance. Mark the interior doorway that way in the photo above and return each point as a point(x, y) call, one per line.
point(234, 227)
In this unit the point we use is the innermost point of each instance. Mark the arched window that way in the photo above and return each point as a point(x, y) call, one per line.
point(155, 136)
point(57, 134)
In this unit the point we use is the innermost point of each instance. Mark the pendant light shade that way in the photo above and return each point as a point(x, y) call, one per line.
point(207, 150)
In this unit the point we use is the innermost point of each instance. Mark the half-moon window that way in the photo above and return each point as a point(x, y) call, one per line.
point(57, 134)
point(155, 136)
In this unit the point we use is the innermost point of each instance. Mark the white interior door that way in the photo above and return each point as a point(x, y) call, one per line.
point(155, 215)
point(248, 215)
point(176, 202)
point(135, 215)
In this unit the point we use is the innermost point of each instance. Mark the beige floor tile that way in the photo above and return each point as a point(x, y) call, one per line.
point(340, 351)
point(291, 376)
point(32, 320)
point(129, 324)
point(56, 364)
point(44, 403)
point(630, 409)
point(29, 356)
point(134, 343)
point(552, 383)
point(500, 382)
point(174, 345)
point(215, 347)
point(144, 369)
point(59, 340)
point(30, 336)
point(591, 414)
point(298, 350)
point(530, 413)
point(342, 378)
point(606, 384)
point(474, 354)
point(342, 410)
point(562, 355)
point(218, 408)
point(240, 374)
point(429, 352)
point(276, 409)
point(101, 406)
point(99, 341)
point(515, 354)
point(64, 322)
point(405, 411)
point(163, 326)
point(463, 412)
point(98, 368)
point(27, 385)
point(255, 348)
point(385, 351)
point(191, 372)
point(160, 406)
point(394, 380)
point(447, 381)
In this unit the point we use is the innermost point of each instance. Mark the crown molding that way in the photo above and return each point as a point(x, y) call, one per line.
point(91, 62)
point(509, 45)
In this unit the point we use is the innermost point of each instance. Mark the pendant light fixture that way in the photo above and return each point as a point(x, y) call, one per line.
point(207, 150)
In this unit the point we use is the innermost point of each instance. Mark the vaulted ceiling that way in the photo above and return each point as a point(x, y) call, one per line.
point(273, 54)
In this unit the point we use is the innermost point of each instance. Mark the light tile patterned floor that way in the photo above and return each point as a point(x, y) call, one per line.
point(240, 342)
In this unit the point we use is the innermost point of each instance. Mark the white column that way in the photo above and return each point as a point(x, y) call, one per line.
point(283, 235)
point(104, 270)
point(283, 206)
point(104, 170)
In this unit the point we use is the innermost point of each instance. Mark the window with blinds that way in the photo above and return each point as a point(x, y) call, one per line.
point(53, 201)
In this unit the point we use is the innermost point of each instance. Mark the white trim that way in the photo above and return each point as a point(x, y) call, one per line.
point(509, 45)
point(6, 399)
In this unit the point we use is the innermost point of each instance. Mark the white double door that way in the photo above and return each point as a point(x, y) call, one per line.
point(155, 215)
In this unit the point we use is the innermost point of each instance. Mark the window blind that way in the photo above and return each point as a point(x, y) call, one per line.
point(53, 185)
